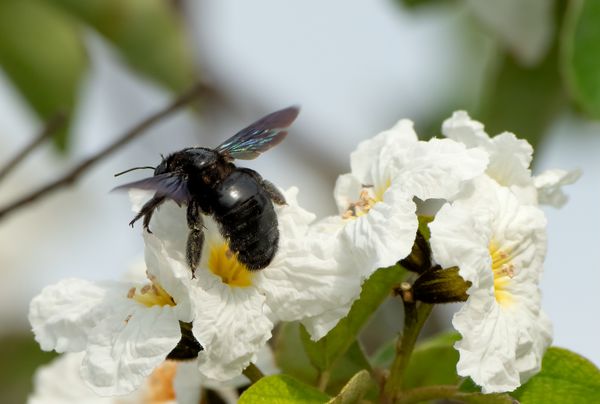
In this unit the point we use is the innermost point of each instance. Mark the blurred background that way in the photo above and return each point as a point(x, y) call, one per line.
point(527, 66)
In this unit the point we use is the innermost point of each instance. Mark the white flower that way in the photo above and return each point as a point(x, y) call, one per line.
point(235, 309)
point(549, 183)
point(376, 198)
point(125, 328)
point(499, 245)
point(60, 382)
point(510, 159)
point(170, 383)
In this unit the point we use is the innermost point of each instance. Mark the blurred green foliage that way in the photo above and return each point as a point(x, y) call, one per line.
point(21, 356)
point(581, 54)
point(42, 47)
point(41, 51)
point(526, 98)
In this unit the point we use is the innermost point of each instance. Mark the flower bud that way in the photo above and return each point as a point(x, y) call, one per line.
point(439, 285)
point(188, 347)
point(419, 259)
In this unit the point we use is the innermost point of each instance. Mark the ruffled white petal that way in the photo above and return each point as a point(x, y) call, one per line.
point(509, 157)
point(438, 168)
point(504, 332)
point(231, 323)
point(371, 158)
point(128, 345)
point(487, 347)
point(549, 186)
point(383, 236)
point(63, 315)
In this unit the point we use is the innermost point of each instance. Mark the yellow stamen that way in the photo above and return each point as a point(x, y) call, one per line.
point(224, 263)
point(503, 270)
point(151, 294)
point(368, 197)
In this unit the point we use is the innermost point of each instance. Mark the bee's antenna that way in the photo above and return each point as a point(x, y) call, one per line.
point(134, 168)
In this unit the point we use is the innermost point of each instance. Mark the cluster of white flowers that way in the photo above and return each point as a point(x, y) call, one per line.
point(489, 225)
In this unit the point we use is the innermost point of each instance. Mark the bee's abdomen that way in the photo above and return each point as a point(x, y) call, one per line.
point(247, 220)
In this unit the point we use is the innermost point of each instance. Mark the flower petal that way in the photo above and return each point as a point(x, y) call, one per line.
point(64, 315)
point(437, 168)
point(549, 185)
point(375, 154)
point(487, 347)
point(383, 236)
point(231, 323)
point(128, 345)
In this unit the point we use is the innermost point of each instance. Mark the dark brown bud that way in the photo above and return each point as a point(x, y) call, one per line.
point(419, 259)
point(439, 285)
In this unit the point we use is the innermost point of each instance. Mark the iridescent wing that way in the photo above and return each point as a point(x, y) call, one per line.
point(259, 137)
point(171, 185)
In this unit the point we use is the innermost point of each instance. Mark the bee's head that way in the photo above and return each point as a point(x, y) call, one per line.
point(162, 167)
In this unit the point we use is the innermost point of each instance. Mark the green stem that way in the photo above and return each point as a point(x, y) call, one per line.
point(253, 373)
point(322, 380)
point(414, 319)
point(427, 393)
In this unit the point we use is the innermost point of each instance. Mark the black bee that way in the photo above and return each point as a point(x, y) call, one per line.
point(239, 199)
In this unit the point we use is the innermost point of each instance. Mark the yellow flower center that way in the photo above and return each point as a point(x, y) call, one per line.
point(160, 388)
point(151, 295)
point(504, 271)
point(368, 197)
point(224, 263)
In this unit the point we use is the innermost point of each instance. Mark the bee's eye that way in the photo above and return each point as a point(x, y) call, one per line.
point(161, 168)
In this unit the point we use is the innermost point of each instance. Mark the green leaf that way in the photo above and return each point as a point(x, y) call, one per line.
point(325, 352)
point(148, 33)
point(433, 361)
point(290, 356)
point(580, 46)
point(42, 53)
point(565, 378)
point(523, 100)
point(355, 389)
point(282, 389)
point(292, 360)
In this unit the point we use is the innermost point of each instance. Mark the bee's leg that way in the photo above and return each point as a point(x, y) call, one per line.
point(195, 237)
point(147, 211)
point(271, 190)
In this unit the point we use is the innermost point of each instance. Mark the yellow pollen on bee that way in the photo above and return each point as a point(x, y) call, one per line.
point(367, 198)
point(224, 263)
point(503, 270)
point(151, 294)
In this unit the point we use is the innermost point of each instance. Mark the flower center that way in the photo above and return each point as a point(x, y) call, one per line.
point(224, 263)
point(151, 295)
point(504, 271)
point(368, 197)
point(160, 386)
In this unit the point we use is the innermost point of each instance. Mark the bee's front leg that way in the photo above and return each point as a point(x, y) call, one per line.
point(147, 211)
point(195, 239)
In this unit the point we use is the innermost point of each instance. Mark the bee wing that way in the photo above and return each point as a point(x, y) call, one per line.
point(170, 185)
point(259, 137)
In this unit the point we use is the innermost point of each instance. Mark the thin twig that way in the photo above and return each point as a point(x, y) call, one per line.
point(415, 316)
point(253, 373)
point(81, 168)
point(51, 126)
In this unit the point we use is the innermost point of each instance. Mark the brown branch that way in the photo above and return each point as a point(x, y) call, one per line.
point(72, 176)
point(51, 126)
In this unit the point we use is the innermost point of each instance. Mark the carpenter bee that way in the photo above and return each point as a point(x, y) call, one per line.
point(239, 199)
